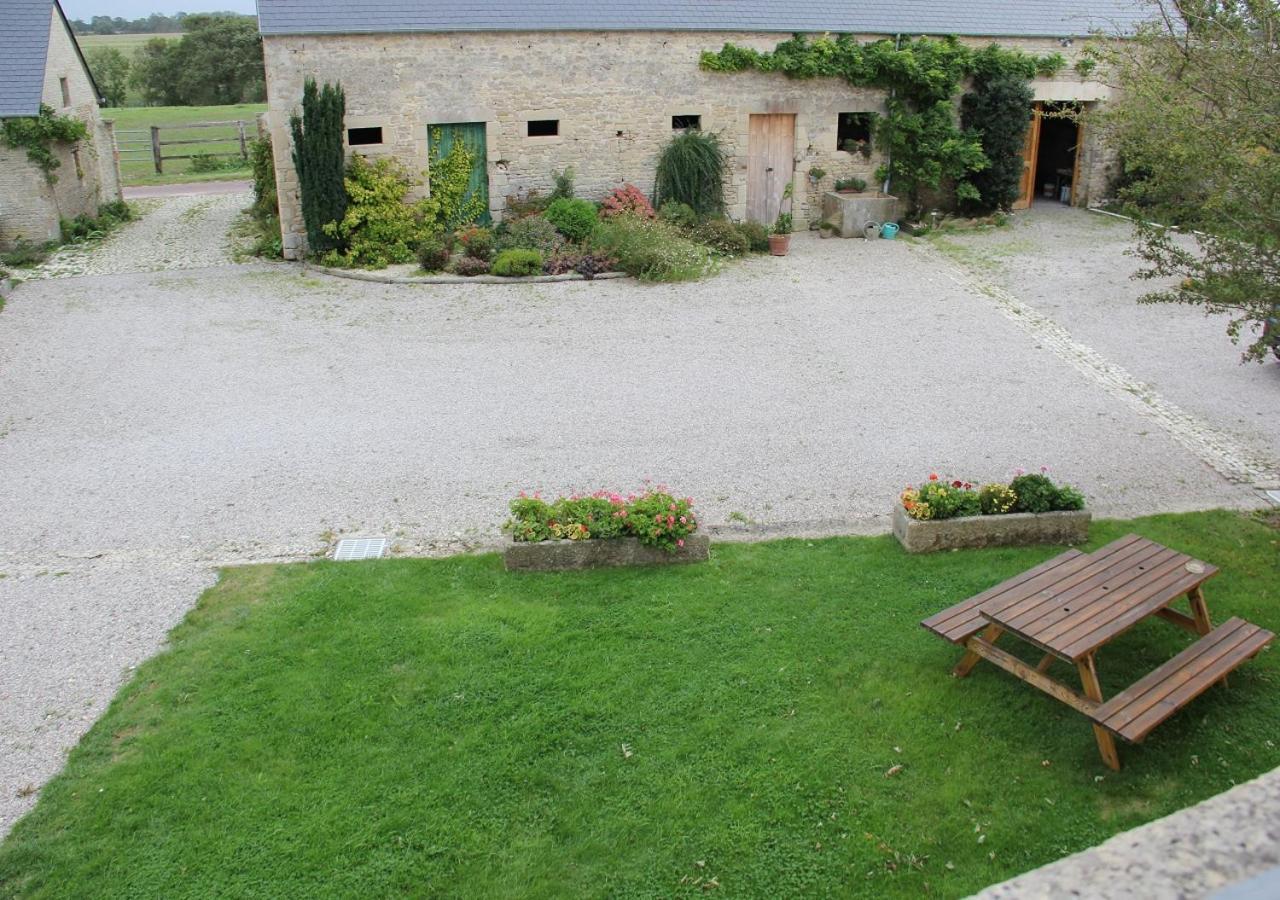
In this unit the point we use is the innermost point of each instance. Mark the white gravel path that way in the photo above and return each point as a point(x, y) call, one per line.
point(153, 425)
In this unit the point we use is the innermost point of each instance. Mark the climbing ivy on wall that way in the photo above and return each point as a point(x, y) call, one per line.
point(452, 204)
point(37, 135)
point(926, 147)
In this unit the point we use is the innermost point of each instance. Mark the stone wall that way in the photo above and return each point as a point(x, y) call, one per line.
point(614, 94)
point(30, 208)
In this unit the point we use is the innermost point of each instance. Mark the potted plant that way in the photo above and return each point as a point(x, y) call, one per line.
point(816, 175)
point(780, 238)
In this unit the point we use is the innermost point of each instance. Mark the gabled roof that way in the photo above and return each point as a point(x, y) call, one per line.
point(995, 18)
point(24, 50)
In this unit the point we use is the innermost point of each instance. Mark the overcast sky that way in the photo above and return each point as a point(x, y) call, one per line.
point(136, 9)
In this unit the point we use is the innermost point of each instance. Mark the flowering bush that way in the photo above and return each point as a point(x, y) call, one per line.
point(469, 267)
point(626, 199)
point(655, 517)
point(940, 498)
point(477, 243)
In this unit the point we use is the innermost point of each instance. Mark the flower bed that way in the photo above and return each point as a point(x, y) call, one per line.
point(603, 529)
point(944, 514)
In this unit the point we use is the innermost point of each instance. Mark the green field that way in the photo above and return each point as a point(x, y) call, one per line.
point(133, 135)
point(127, 44)
point(774, 723)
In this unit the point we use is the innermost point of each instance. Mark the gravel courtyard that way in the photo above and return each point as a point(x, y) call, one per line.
point(156, 424)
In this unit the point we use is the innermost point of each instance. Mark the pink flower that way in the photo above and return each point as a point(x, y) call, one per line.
point(684, 521)
point(689, 500)
point(1044, 469)
point(623, 513)
point(523, 495)
point(657, 518)
point(680, 543)
point(1019, 471)
point(672, 507)
point(671, 520)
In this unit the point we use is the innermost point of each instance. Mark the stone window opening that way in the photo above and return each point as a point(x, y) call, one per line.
point(543, 128)
point(363, 137)
point(66, 91)
point(686, 123)
point(853, 132)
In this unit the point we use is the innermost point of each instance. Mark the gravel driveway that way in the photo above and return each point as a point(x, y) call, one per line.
point(156, 424)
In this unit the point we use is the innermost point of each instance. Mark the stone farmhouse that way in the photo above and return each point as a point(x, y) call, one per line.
point(600, 86)
point(41, 64)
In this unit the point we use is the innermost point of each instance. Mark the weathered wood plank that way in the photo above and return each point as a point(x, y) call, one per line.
point(1093, 690)
point(1017, 667)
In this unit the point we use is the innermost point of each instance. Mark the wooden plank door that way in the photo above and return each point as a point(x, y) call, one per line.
point(771, 142)
point(1075, 171)
point(442, 139)
point(1030, 147)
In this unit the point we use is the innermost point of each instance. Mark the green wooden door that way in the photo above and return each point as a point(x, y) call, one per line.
point(442, 139)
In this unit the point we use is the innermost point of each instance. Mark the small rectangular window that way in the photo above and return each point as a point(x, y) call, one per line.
point(544, 127)
point(686, 123)
point(853, 132)
point(361, 136)
point(66, 91)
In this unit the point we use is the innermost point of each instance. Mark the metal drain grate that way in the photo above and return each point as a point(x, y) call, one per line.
point(360, 548)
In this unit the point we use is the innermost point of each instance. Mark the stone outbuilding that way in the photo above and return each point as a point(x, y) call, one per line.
point(600, 86)
point(41, 65)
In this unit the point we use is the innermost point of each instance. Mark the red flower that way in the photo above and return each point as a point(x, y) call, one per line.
point(933, 476)
point(956, 483)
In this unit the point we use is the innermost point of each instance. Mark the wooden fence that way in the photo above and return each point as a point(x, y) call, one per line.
point(139, 144)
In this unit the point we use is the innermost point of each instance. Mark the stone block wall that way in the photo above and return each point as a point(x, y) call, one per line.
point(613, 93)
point(89, 174)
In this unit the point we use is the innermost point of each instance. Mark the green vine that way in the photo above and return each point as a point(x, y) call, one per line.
point(924, 143)
point(451, 204)
point(37, 135)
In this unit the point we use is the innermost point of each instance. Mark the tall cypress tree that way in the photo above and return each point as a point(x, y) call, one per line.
point(999, 109)
point(318, 159)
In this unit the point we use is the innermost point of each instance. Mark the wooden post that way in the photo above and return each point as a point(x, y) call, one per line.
point(970, 659)
point(155, 149)
point(1200, 612)
point(244, 148)
point(1093, 690)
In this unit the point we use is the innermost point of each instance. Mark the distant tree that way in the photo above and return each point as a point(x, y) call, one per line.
point(1197, 122)
point(319, 160)
point(157, 66)
point(221, 60)
point(110, 70)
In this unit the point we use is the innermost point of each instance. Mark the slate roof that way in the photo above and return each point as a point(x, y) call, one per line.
point(995, 18)
point(24, 44)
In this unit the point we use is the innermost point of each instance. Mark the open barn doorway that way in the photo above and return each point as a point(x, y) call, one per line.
point(1051, 155)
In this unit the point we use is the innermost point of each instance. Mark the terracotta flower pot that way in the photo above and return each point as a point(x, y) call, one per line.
point(779, 244)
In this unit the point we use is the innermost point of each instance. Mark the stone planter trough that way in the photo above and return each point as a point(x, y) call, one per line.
point(560, 556)
point(850, 213)
point(1009, 530)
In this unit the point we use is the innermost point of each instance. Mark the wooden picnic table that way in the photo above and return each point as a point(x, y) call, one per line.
point(1073, 605)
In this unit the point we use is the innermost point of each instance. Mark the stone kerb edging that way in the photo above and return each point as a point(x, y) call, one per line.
point(366, 275)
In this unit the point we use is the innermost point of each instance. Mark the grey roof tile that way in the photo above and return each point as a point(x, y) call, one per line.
point(24, 44)
point(995, 18)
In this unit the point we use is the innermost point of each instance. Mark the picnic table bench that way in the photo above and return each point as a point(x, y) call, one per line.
point(1071, 606)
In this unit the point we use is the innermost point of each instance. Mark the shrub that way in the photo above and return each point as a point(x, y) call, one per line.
point(433, 253)
point(996, 109)
point(26, 254)
point(655, 517)
point(592, 264)
point(691, 170)
point(477, 243)
point(564, 185)
point(857, 185)
point(518, 263)
point(378, 228)
point(948, 499)
point(263, 164)
point(1036, 493)
point(650, 250)
point(757, 236)
point(529, 233)
point(1068, 498)
point(723, 236)
point(85, 228)
point(318, 160)
point(996, 499)
point(470, 266)
point(575, 219)
point(681, 215)
point(626, 200)
point(561, 263)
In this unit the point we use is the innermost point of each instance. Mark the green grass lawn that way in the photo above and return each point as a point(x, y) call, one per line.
point(445, 728)
point(133, 124)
